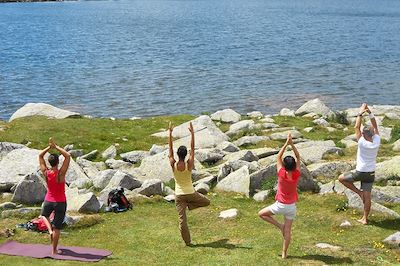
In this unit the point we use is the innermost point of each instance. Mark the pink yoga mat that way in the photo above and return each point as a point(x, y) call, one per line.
point(41, 251)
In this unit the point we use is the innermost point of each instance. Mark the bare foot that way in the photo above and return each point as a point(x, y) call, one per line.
point(57, 252)
point(363, 221)
point(284, 255)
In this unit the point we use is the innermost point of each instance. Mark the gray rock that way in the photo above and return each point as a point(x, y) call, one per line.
point(356, 202)
point(385, 133)
point(232, 166)
point(21, 212)
point(334, 187)
point(267, 120)
point(226, 115)
point(90, 156)
point(328, 246)
point(76, 153)
point(119, 165)
point(240, 126)
point(81, 183)
point(121, 179)
point(264, 152)
point(155, 149)
point(314, 151)
point(314, 106)
point(151, 187)
point(134, 156)
point(270, 125)
point(321, 122)
point(42, 109)
point(8, 206)
point(6, 187)
point(329, 170)
point(396, 145)
point(6, 147)
point(345, 224)
point(386, 169)
point(228, 214)
point(206, 180)
point(168, 191)
point(393, 240)
point(227, 147)
point(170, 198)
point(30, 190)
point(199, 174)
point(311, 115)
point(238, 181)
point(202, 188)
point(262, 195)
point(286, 112)
point(392, 116)
point(210, 156)
point(71, 220)
point(83, 203)
point(348, 143)
point(255, 114)
point(109, 153)
point(91, 169)
point(103, 178)
point(244, 155)
point(283, 135)
point(69, 147)
point(386, 194)
point(308, 129)
point(250, 140)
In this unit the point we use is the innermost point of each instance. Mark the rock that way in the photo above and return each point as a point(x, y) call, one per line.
point(199, 174)
point(392, 116)
point(155, 149)
point(121, 179)
point(226, 115)
point(321, 122)
point(21, 212)
point(6, 187)
point(119, 165)
point(227, 147)
point(134, 156)
point(206, 180)
point(386, 194)
point(267, 120)
point(262, 195)
point(42, 109)
point(334, 187)
point(103, 178)
point(384, 170)
point(135, 118)
point(345, 224)
point(6, 195)
point(264, 152)
point(329, 170)
point(308, 129)
point(385, 133)
point(30, 190)
point(6, 147)
point(91, 169)
point(396, 145)
point(250, 140)
point(283, 135)
point(81, 183)
point(238, 181)
point(348, 143)
point(69, 147)
point(202, 188)
point(328, 246)
point(255, 114)
point(90, 156)
point(314, 151)
point(209, 156)
point(311, 115)
point(109, 153)
point(286, 112)
point(240, 126)
point(83, 203)
point(393, 240)
point(244, 155)
point(151, 187)
point(270, 125)
point(76, 153)
point(314, 106)
point(8, 206)
point(232, 166)
point(228, 214)
point(168, 191)
point(71, 220)
point(170, 198)
point(356, 202)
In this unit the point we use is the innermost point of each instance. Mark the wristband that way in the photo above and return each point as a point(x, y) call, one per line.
point(371, 115)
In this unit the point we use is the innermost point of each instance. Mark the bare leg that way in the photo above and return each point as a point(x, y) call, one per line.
point(287, 229)
point(48, 225)
point(351, 186)
point(266, 215)
point(56, 237)
point(367, 207)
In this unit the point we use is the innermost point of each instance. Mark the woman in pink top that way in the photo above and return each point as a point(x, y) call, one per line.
point(55, 199)
point(288, 176)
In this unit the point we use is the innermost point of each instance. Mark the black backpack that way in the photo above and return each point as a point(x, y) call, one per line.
point(117, 202)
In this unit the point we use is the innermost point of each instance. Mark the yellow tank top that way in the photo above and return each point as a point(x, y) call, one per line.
point(183, 181)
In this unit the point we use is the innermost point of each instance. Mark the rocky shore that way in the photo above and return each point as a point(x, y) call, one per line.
point(232, 155)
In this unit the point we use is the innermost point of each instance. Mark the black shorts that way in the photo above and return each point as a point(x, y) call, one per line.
point(367, 179)
point(59, 209)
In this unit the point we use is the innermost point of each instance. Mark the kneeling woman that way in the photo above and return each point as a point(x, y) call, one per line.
point(286, 196)
point(55, 199)
point(185, 195)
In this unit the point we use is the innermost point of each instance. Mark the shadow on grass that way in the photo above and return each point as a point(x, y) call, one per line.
point(392, 224)
point(324, 258)
point(222, 243)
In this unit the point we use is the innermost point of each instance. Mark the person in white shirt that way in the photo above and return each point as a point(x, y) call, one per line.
point(368, 146)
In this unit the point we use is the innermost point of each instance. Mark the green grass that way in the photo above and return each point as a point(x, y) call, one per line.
point(148, 235)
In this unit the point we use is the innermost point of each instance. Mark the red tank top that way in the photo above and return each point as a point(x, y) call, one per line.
point(55, 190)
point(287, 188)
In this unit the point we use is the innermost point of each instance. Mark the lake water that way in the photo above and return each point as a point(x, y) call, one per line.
point(144, 58)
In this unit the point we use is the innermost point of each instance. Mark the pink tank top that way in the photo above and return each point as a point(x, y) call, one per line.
point(287, 188)
point(55, 190)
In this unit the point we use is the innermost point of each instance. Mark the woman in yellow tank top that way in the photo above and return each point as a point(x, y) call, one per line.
point(185, 195)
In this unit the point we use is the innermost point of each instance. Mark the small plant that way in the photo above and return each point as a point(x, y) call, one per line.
point(395, 134)
point(342, 206)
point(170, 183)
point(269, 183)
point(339, 117)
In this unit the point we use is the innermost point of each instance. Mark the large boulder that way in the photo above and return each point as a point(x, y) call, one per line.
point(250, 140)
point(110, 152)
point(396, 145)
point(264, 152)
point(393, 240)
point(286, 112)
point(226, 115)
point(119, 165)
point(84, 203)
point(156, 149)
point(314, 151)
point(210, 156)
point(6, 147)
point(314, 106)
point(21, 213)
point(103, 178)
point(244, 155)
point(262, 195)
point(227, 147)
point(386, 169)
point(202, 188)
point(43, 109)
point(121, 179)
point(329, 170)
point(283, 135)
point(91, 169)
point(240, 126)
point(134, 156)
point(30, 190)
point(238, 181)
point(232, 166)
point(20, 162)
point(151, 187)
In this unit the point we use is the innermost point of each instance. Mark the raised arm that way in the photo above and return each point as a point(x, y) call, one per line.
point(373, 120)
point(67, 159)
point(42, 163)
point(171, 148)
point(357, 126)
point(279, 163)
point(191, 155)
point(296, 153)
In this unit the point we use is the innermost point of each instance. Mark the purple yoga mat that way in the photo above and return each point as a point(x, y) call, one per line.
point(41, 251)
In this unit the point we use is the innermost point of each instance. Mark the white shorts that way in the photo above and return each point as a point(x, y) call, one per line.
point(287, 210)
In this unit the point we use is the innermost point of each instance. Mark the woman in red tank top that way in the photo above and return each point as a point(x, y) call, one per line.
point(55, 199)
point(288, 171)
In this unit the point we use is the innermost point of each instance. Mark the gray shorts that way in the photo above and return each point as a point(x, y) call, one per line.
point(367, 179)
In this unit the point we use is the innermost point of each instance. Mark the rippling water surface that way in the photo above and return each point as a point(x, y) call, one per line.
point(144, 57)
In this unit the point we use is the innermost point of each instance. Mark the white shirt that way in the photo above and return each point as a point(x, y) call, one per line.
point(367, 153)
